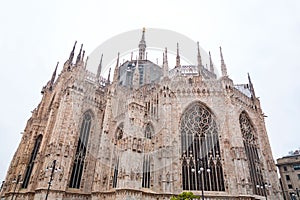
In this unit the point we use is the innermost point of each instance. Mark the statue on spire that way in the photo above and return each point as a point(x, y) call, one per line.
point(142, 46)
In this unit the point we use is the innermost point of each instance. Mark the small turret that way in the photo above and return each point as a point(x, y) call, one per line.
point(177, 57)
point(223, 66)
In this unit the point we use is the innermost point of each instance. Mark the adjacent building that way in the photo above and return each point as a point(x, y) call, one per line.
point(151, 132)
point(289, 169)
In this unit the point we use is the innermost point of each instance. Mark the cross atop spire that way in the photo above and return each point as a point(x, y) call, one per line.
point(142, 46)
point(223, 66)
point(177, 57)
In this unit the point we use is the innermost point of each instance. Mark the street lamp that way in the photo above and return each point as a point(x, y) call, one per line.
point(53, 169)
point(264, 187)
point(201, 171)
point(16, 181)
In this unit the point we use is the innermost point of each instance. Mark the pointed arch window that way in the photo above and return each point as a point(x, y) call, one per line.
point(146, 172)
point(116, 171)
point(31, 161)
point(149, 131)
point(81, 150)
point(200, 150)
point(249, 140)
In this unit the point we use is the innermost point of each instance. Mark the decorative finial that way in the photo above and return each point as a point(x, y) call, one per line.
point(177, 57)
point(223, 66)
point(72, 53)
point(99, 67)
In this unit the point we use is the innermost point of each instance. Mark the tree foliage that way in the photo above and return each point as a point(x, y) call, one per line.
point(185, 196)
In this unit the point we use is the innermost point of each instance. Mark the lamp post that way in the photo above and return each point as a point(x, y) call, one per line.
point(264, 187)
point(53, 169)
point(16, 181)
point(200, 172)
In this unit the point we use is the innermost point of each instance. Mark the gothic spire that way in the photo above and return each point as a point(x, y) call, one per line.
point(108, 78)
point(165, 64)
point(53, 77)
point(82, 57)
point(86, 61)
point(211, 65)
point(251, 87)
point(177, 57)
point(72, 53)
point(223, 66)
point(99, 67)
point(199, 56)
point(136, 76)
point(116, 72)
point(142, 46)
point(79, 55)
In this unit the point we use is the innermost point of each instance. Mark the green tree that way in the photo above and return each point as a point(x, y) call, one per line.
point(185, 196)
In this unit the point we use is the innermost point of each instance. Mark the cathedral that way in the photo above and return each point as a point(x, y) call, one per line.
point(148, 132)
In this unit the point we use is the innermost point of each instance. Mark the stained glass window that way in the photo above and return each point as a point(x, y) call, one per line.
point(81, 150)
point(201, 159)
point(250, 145)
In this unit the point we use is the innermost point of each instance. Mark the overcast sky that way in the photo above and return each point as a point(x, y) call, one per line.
point(259, 37)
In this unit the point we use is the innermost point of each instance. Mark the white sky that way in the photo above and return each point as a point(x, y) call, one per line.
point(259, 37)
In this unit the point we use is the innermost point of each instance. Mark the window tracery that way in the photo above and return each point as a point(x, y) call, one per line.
point(78, 163)
point(248, 133)
point(201, 159)
point(29, 168)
